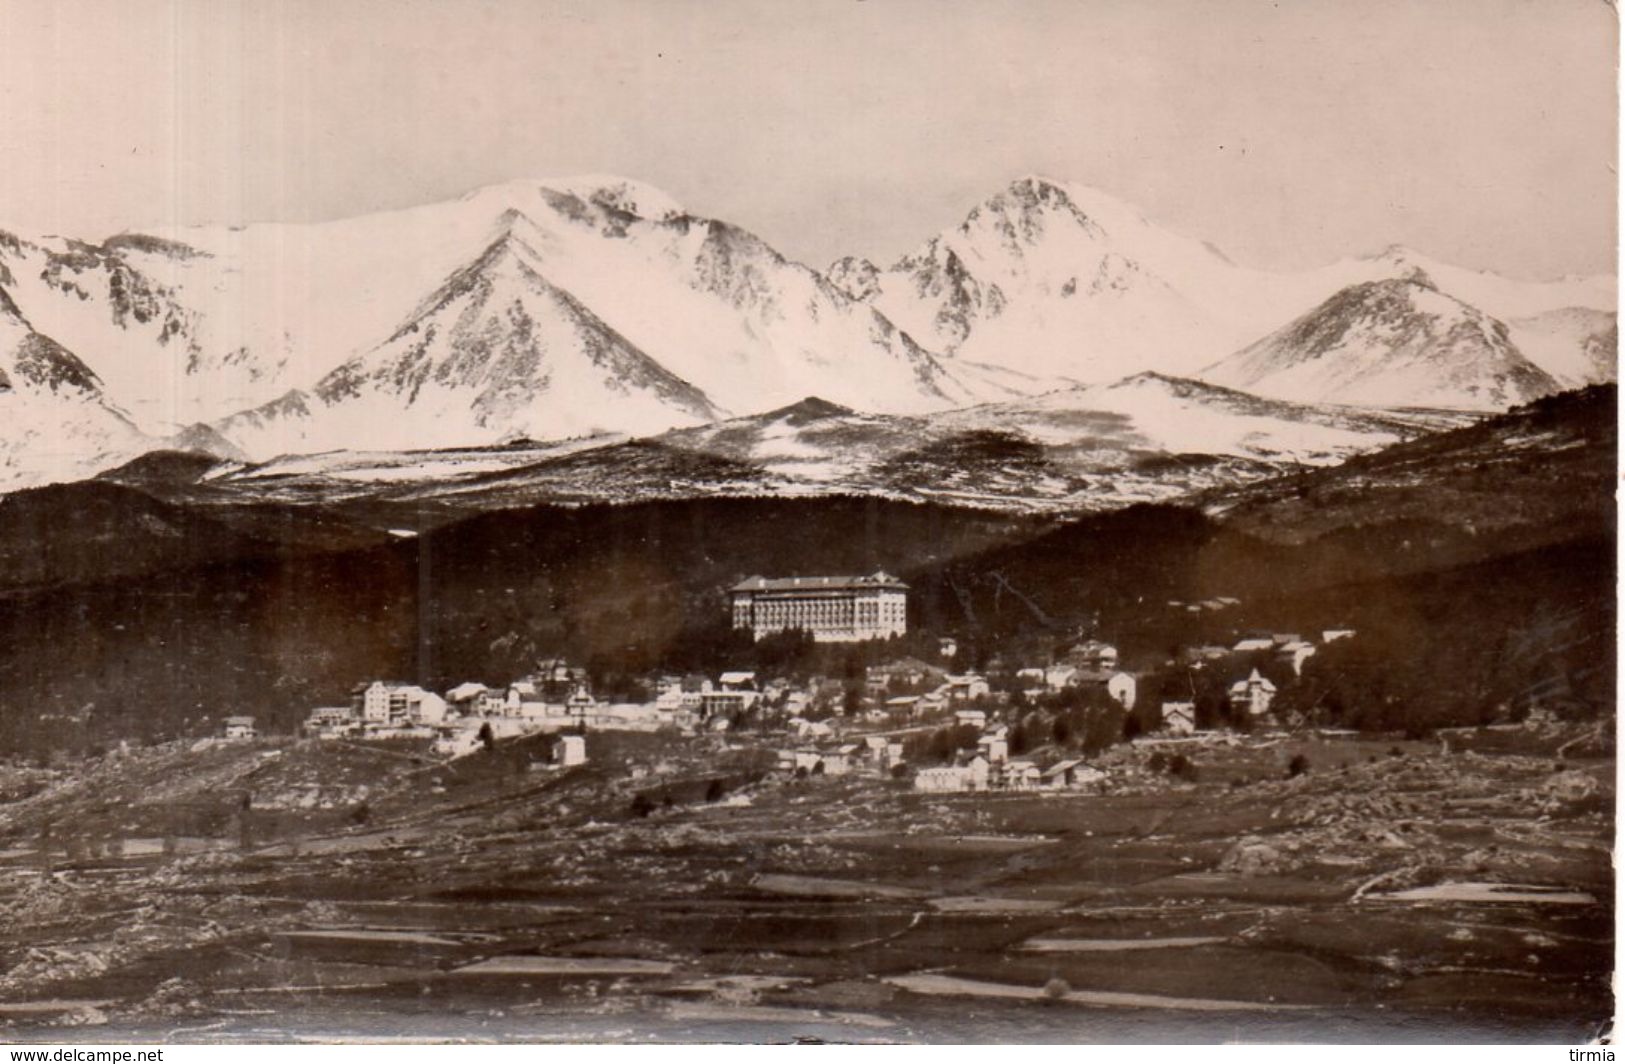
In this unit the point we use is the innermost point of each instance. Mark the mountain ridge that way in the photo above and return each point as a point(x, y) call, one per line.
point(243, 336)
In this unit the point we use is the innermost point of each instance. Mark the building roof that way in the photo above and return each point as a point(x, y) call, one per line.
point(879, 579)
point(1241, 686)
point(247, 722)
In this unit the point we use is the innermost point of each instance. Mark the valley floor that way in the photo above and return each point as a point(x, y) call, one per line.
point(286, 892)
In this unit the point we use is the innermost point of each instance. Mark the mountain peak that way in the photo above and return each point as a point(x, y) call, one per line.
point(1151, 376)
point(806, 411)
point(1396, 341)
point(608, 191)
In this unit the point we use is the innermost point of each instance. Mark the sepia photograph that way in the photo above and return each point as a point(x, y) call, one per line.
point(775, 521)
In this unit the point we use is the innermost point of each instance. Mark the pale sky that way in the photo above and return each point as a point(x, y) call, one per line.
point(1287, 133)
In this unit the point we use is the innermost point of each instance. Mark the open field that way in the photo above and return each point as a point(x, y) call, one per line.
point(1395, 891)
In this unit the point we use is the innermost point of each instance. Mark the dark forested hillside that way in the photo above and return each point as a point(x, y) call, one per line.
point(275, 634)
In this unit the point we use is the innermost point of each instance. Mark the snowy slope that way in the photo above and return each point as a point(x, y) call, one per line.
point(1389, 343)
point(1157, 413)
point(1143, 438)
point(55, 423)
point(1500, 297)
point(1147, 436)
point(1576, 345)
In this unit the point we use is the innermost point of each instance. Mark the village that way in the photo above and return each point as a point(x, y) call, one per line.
point(1098, 833)
point(907, 719)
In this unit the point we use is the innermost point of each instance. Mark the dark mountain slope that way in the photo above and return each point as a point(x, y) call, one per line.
point(90, 530)
point(481, 599)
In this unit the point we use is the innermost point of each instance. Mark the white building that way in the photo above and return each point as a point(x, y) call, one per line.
point(833, 609)
point(474, 700)
point(968, 686)
point(239, 728)
point(1179, 718)
point(1072, 773)
point(1254, 694)
point(996, 748)
point(1093, 654)
point(956, 779)
point(1021, 776)
point(1123, 687)
point(1295, 654)
point(572, 750)
point(1058, 677)
point(389, 704)
point(331, 722)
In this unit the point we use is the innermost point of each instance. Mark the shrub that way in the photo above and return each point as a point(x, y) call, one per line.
point(642, 806)
point(715, 792)
point(1297, 766)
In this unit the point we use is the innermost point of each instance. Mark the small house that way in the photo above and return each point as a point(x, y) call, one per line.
point(967, 686)
point(1093, 654)
point(974, 718)
point(1060, 677)
point(1294, 654)
point(240, 728)
point(1179, 718)
point(1071, 773)
point(1123, 688)
point(572, 751)
point(1021, 776)
point(1252, 695)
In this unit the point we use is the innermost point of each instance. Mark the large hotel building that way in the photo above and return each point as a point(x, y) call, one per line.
point(834, 609)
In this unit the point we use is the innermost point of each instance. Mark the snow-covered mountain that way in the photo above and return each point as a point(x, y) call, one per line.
point(1394, 343)
point(204, 323)
point(1057, 282)
point(497, 351)
point(55, 421)
point(1060, 281)
point(569, 307)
